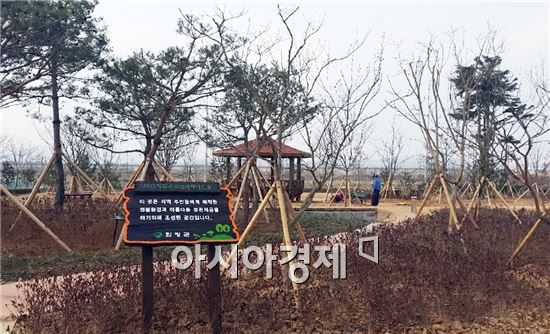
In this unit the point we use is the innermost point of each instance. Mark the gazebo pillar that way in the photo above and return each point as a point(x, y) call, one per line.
point(227, 169)
point(291, 169)
point(239, 164)
point(298, 169)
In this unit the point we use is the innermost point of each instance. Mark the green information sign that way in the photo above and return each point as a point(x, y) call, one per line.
point(170, 213)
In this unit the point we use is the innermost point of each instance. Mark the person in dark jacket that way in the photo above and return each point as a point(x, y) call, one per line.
point(376, 186)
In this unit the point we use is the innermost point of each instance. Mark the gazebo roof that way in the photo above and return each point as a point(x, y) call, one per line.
point(265, 150)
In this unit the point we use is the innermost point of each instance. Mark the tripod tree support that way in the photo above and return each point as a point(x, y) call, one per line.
point(257, 215)
point(286, 232)
point(336, 192)
point(43, 175)
point(85, 176)
point(132, 179)
point(466, 213)
point(439, 178)
point(35, 189)
point(425, 199)
point(492, 185)
point(40, 180)
point(34, 218)
point(449, 202)
point(259, 190)
point(523, 242)
point(163, 171)
point(239, 172)
point(243, 184)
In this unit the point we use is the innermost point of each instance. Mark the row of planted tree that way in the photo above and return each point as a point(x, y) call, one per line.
point(223, 87)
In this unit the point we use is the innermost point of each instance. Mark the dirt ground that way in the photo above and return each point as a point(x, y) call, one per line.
point(394, 210)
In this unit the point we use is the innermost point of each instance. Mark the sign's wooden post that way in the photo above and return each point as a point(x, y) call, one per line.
point(214, 292)
point(147, 286)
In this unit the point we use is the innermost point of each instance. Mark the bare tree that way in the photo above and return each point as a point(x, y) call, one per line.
point(540, 159)
point(391, 150)
point(344, 114)
point(352, 154)
point(176, 147)
point(525, 127)
point(278, 96)
point(23, 157)
point(390, 154)
point(425, 104)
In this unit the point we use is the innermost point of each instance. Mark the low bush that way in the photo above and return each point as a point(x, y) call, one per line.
point(424, 274)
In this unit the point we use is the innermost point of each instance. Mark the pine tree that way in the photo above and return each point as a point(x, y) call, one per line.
point(62, 38)
point(489, 93)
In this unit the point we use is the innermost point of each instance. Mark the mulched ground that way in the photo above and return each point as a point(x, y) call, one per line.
point(427, 281)
point(84, 224)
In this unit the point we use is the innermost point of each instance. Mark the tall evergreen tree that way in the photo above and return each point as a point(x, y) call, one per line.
point(489, 93)
point(58, 39)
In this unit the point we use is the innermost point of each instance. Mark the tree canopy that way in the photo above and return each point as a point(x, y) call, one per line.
point(39, 34)
point(490, 95)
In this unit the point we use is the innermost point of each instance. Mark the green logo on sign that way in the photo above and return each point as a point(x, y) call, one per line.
point(158, 235)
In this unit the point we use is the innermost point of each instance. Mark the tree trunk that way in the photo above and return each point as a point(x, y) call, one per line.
point(454, 193)
point(150, 173)
point(60, 192)
point(347, 198)
point(246, 201)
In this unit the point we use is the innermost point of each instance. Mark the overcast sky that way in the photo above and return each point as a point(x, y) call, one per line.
point(522, 26)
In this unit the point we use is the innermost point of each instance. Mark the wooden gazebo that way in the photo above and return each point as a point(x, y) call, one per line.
point(267, 149)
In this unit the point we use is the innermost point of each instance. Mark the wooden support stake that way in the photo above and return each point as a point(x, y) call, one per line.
point(466, 213)
point(476, 193)
point(489, 197)
point(132, 179)
point(237, 174)
point(260, 194)
point(141, 177)
point(252, 222)
point(286, 232)
point(295, 222)
point(425, 199)
point(163, 171)
point(337, 190)
point(35, 189)
point(492, 185)
point(40, 180)
point(347, 198)
point(449, 202)
point(328, 189)
point(263, 182)
point(111, 186)
point(145, 168)
point(525, 239)
point(34, 218)
point(243, 184)
point(387, 185)
point(520, 196)
point(101, 185)
point(84, 176)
